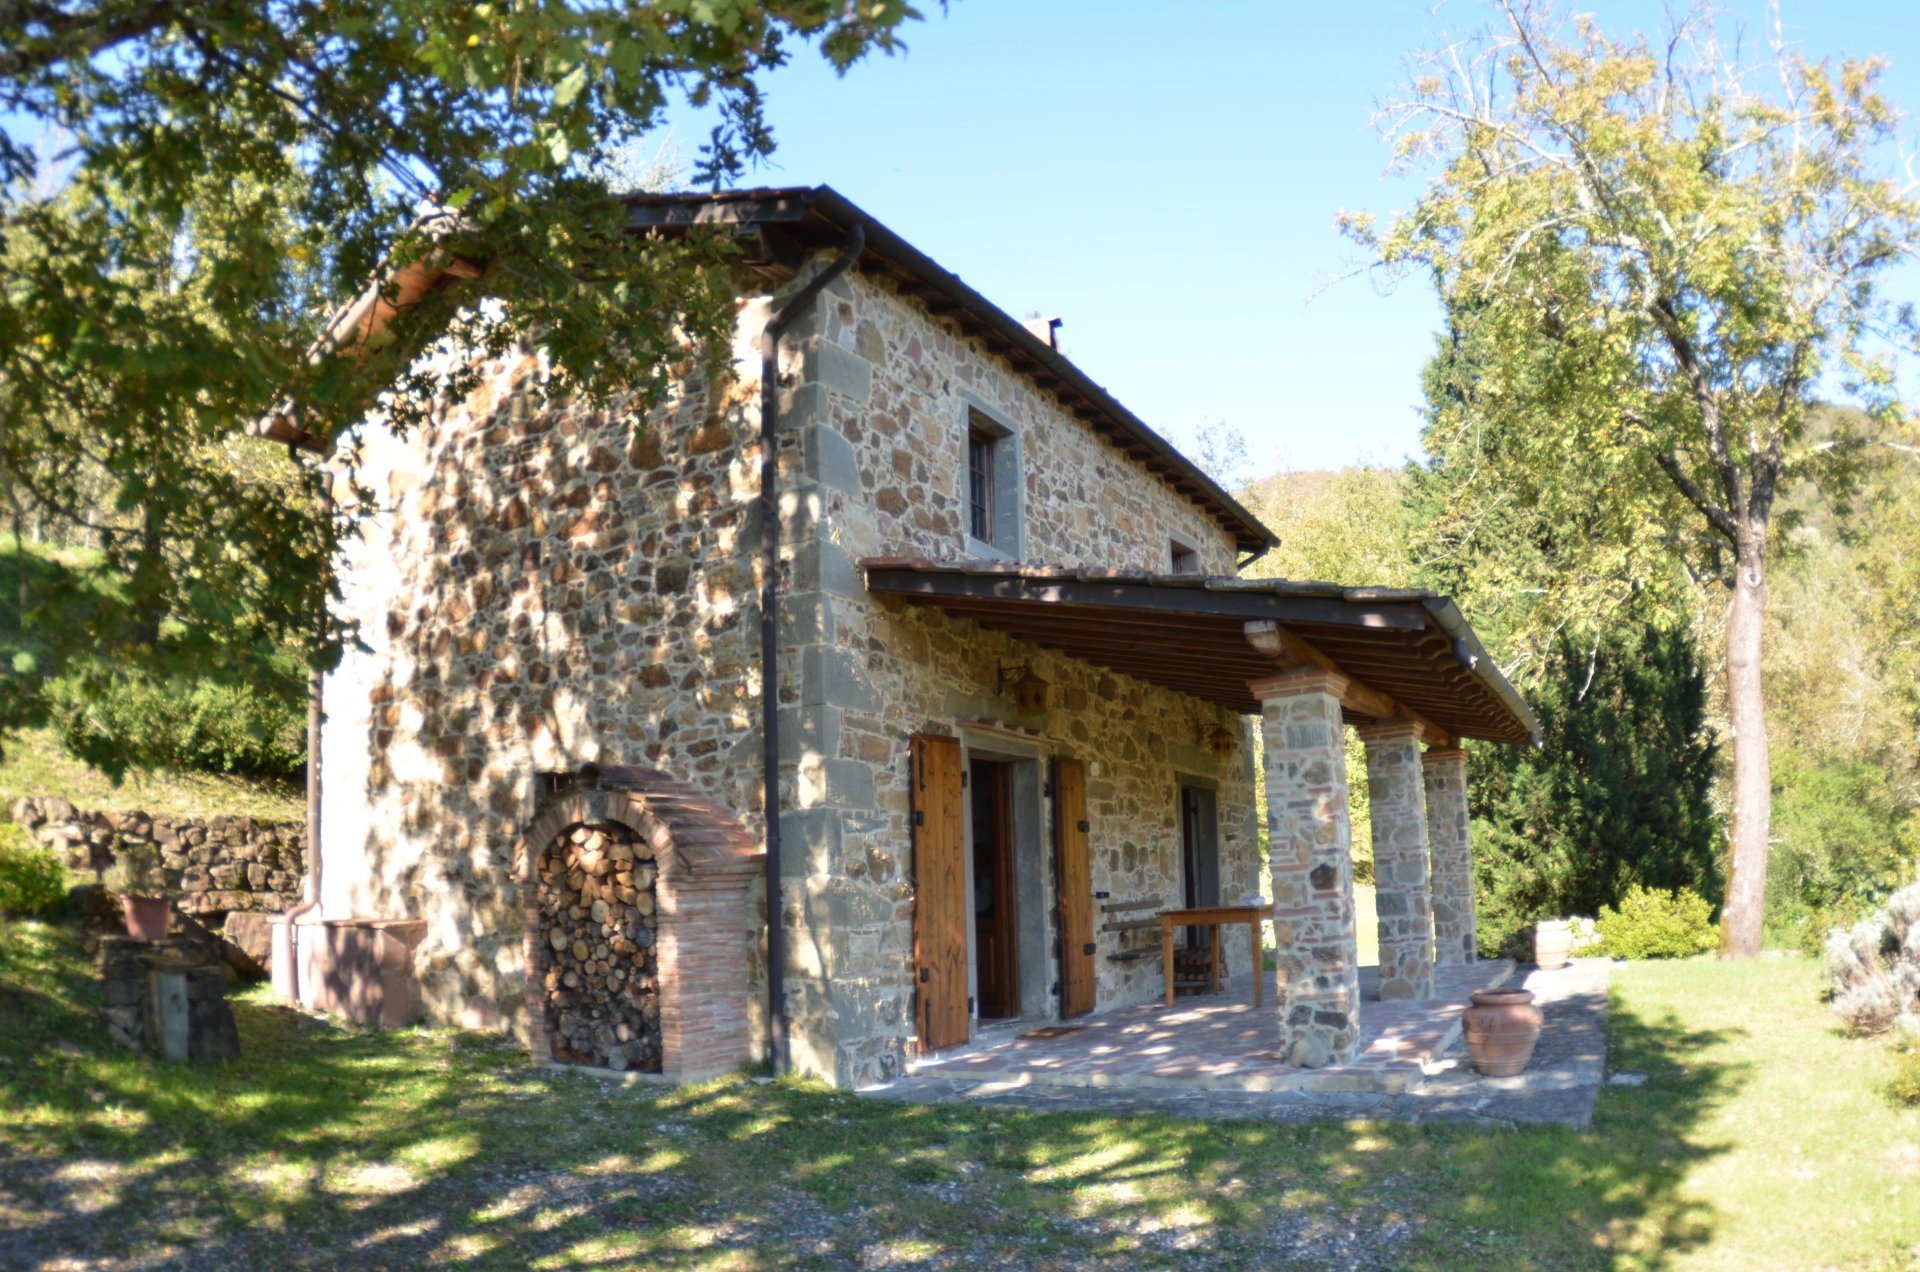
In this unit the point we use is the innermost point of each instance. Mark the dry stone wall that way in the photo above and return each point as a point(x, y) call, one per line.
point(209, 866)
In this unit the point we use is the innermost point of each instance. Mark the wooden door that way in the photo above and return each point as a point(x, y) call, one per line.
point(1199, 856)
point(1073, 887)
point(940, 893)
point(996, 900)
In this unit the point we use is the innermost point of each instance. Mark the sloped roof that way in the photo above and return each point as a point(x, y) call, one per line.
point(776, 228)
point(780, 225)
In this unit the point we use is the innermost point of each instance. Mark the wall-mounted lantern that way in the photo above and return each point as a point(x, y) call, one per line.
point(1028, 691)
point(1221, 741)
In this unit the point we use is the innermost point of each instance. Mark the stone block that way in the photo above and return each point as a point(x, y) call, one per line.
point(831, 461)
point(819, 566)
point(251, 935)
point(843, 371)
point(831, 676)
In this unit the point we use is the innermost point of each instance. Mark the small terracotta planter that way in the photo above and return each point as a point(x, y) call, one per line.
point(1552, 942)
point(148, 918)
point(1502, 1027)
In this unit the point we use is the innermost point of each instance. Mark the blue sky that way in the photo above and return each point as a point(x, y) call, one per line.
point(1165, 178)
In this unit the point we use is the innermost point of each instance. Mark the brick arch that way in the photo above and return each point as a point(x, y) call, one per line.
point(705, 861)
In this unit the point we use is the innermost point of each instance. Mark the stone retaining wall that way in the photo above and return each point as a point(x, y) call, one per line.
point(208, 865)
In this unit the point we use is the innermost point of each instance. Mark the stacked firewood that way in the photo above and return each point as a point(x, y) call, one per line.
point(597, 909)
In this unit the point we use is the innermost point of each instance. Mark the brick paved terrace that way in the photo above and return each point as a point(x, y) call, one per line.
point(1222, 1042)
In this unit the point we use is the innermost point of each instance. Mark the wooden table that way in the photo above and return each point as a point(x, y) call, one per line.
point(1211, 918)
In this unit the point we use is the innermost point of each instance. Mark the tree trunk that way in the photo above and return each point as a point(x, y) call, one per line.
point(1740, 918)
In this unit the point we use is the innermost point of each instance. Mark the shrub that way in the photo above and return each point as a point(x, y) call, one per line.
point(1654, 924)
point(135, 871)
point(1905, 1087)
point(32, 880)
point(1873, 968)
point(1619, 794)
point(204, 726)
point(1847, 836)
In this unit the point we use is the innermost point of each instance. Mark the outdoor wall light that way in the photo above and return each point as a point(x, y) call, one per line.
point(1221, 741)
point(1028, 691)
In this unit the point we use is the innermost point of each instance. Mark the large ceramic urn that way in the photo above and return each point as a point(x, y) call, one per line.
point(1552, 943)
point(1501, 1027)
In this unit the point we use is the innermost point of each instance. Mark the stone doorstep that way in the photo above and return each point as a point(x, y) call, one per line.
point(1375, 1072)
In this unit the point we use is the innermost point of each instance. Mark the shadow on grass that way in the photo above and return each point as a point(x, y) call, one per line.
point(324, 1144)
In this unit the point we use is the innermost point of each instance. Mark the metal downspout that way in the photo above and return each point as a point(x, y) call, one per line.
point(769, 629)
point(286, 954)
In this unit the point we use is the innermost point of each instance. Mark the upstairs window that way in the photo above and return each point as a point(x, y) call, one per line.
point(993, 486)
point(980, 482)
point(1185, 560)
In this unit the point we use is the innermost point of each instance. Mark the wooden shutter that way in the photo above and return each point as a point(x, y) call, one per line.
point(940, 893)
point(1073, 886)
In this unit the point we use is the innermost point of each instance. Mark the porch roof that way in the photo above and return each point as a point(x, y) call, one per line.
point(1408, 654)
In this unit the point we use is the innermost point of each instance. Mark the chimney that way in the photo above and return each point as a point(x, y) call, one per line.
point(1048, 329)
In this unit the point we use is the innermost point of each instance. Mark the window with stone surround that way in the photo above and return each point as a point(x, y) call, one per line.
point(993, 482)
point(980, 484)
point(1183, 558)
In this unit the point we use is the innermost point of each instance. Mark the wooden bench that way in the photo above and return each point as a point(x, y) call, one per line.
point(1132, 952)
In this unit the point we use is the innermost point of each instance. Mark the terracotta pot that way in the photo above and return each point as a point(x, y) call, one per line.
point(148, 918)
point(1552, 942)
point(1501, 1028)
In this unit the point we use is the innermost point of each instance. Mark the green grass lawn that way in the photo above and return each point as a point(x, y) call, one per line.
point(34, 763)
point(1760, 1140)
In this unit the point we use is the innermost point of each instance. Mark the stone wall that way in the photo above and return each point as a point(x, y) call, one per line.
point(543, 586)
point(894, 388)
point(209, 866)
point(882, 419)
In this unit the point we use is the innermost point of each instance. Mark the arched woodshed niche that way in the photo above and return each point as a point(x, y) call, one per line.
point(664, 991)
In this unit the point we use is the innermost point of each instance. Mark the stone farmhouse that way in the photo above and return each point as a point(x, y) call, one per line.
point(956, 681)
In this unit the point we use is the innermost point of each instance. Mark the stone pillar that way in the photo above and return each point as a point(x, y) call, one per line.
point(1399, 813)
point(1450, 845)
point(1310, 849)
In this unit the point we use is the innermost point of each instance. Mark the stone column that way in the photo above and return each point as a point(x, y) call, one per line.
point(1399, 813)
point(1310, 847)
point(1450, 845)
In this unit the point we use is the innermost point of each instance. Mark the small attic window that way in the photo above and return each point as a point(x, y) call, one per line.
point(1185, 560)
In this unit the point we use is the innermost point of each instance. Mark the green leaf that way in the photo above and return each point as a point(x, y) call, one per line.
point(570, 85)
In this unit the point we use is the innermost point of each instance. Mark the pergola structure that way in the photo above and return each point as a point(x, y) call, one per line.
point(1400, 665)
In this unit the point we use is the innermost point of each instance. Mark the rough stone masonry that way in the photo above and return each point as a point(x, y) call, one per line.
point(209, 866)
point(1398, 808)
point(1310, 850)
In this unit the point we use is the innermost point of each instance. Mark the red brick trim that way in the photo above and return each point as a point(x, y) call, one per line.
point(1293, 684)
point(705, 861)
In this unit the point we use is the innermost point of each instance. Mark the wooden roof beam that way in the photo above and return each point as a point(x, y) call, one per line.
point(1289, 651)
